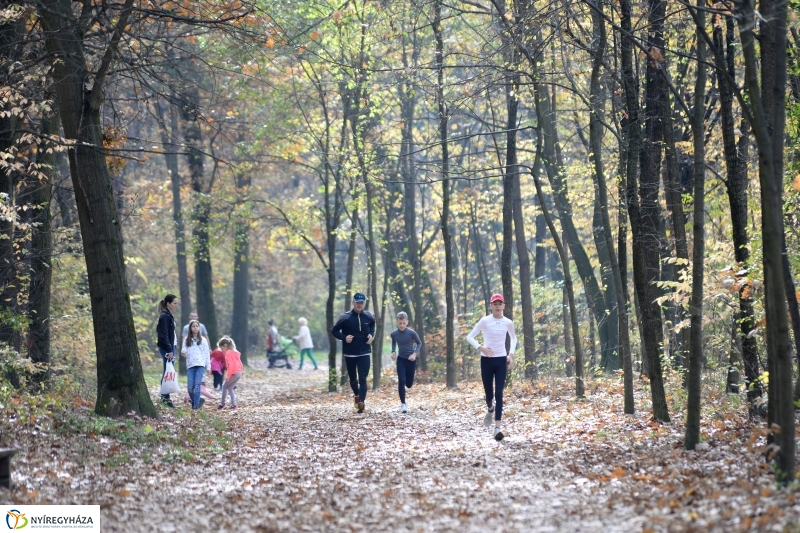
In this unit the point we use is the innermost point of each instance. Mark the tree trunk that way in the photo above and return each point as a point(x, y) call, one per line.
point(240, 328)
point(348, 296)
point(554, 165)
point(579, 383)
point(42, 253)
point(120, 383)
point(596, 143)
point(171, 159)
point(512, 174)
point(11, 32)
point(768, 113)
point(450, 359)
point(201, 214)
point(698, 246)
point(648, 262)
point(736, 158)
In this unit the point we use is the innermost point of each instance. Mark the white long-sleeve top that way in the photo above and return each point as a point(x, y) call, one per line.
point(198, 354)
point(303, 338)
point(494, 335)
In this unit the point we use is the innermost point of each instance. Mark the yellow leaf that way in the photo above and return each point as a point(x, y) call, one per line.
point(796, 183)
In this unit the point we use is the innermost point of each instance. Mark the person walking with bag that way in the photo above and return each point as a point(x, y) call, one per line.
point(303, 340)
point(198, 361)
point(165, 334)
point(355, 329)
point(405, 347)
point(495, 361)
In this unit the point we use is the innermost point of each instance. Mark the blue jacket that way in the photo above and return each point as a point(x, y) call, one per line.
point(359, 325)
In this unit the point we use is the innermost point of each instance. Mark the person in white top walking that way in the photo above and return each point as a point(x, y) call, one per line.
point(495, 361)
point(303, 340)
point(198, 361)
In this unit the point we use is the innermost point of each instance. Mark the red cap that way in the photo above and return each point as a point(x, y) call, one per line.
point(497, 297)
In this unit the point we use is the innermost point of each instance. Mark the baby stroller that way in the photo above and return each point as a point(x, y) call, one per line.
point(279, 358)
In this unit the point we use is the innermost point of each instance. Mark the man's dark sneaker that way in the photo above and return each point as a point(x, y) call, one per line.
point(360, 407)
point(498, 435)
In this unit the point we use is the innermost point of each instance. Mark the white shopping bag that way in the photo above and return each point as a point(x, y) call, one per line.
point(170, 382)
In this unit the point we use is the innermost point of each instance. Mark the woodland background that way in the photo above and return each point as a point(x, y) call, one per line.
point(268, 159)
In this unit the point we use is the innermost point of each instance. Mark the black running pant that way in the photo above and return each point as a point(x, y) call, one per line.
point(357, 370)
point(493, 372)
point(405, 376)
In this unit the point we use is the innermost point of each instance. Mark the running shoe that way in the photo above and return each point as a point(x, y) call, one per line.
point(487, 420)
point(202, 401)
point(220, 407)
point(235, 407)
point(498, 435)
point(356, 399)
point(403, 408)
point(360, 407)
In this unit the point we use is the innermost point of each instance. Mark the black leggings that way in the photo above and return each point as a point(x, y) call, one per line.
point(358, 364)
point(405, 376)
point(494, 369)
point(218, 380)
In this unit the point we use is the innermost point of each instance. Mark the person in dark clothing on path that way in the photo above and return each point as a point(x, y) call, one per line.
point(355, 329)
point(405, 347)
point(165, 332)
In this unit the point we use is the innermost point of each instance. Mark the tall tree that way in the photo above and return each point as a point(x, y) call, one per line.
point(736, 159)
point(596, 145)
point(120, 382)
point(240, 328)
point(42, 249)
point(168, 139)
point(768, 113)
point(647, 258)
point(692, 436)
point(450, 354)
point(201, 210)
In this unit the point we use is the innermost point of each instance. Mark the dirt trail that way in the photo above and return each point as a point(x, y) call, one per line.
point(305, 461)
point(301, 459)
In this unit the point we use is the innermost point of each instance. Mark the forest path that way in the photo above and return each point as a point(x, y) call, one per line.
point(303, 460)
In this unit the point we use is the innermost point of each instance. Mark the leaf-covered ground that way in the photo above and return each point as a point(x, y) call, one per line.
point(293, 458)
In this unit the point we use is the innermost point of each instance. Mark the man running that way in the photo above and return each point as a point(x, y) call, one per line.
point(495, 362)
point(355, 329)
point(405, 347)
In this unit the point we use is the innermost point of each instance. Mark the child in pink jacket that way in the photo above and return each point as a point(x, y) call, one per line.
point(233, 370)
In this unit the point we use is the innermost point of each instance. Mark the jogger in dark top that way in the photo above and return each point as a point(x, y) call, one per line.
point(405, 347)
point(355, 329)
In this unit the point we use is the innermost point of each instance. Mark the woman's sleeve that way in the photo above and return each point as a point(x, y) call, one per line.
point(474, 333)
